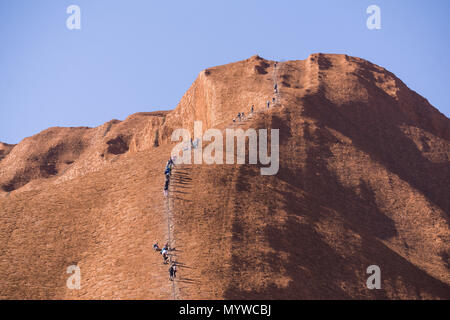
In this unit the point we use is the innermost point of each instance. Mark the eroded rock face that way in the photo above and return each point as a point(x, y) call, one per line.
point(363, 179)
point(65, 153)
point(5, 149)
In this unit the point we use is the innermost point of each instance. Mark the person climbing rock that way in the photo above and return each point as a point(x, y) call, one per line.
point(166, 186)
point(164, 253)
point(169, 164)
point(168, 171)
point(167, 178)
point(165, 257)
point(268, 104)
point(275, 88)
point(252, 109)
point(171, 273)
point(195, 143)
point(155, 246)
point(239, 116)
point(174, 270)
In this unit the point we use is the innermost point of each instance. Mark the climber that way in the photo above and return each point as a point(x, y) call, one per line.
point(195, 143)
point(155, 246)
point(243, 115)
point(171, 273)
point(275, 88)
point(174, 270)
point(268, 104)
point(168, 171)
point(252, 109)
point(164, 255)
point(169, 163)
point(239, 116)
point(166, 186)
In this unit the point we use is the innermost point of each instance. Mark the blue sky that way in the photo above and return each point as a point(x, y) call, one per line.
point(142, 55)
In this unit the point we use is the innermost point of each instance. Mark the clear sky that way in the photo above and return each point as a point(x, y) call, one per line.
point(142, 55)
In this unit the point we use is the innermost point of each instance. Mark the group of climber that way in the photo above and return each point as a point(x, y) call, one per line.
point(275, 91)
point(268, 102)
point(165, 254)
point(241, 115)
point(167, 174)
point(165, 250)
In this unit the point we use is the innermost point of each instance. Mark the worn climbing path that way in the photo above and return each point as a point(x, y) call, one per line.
point(170, 234)
point(276, 74)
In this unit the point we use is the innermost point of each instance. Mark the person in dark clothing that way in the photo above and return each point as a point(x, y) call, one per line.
point(171, 273)
point(174, 270)
point(166, 186)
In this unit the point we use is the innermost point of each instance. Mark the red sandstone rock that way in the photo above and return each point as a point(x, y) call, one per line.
point(364, 179)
